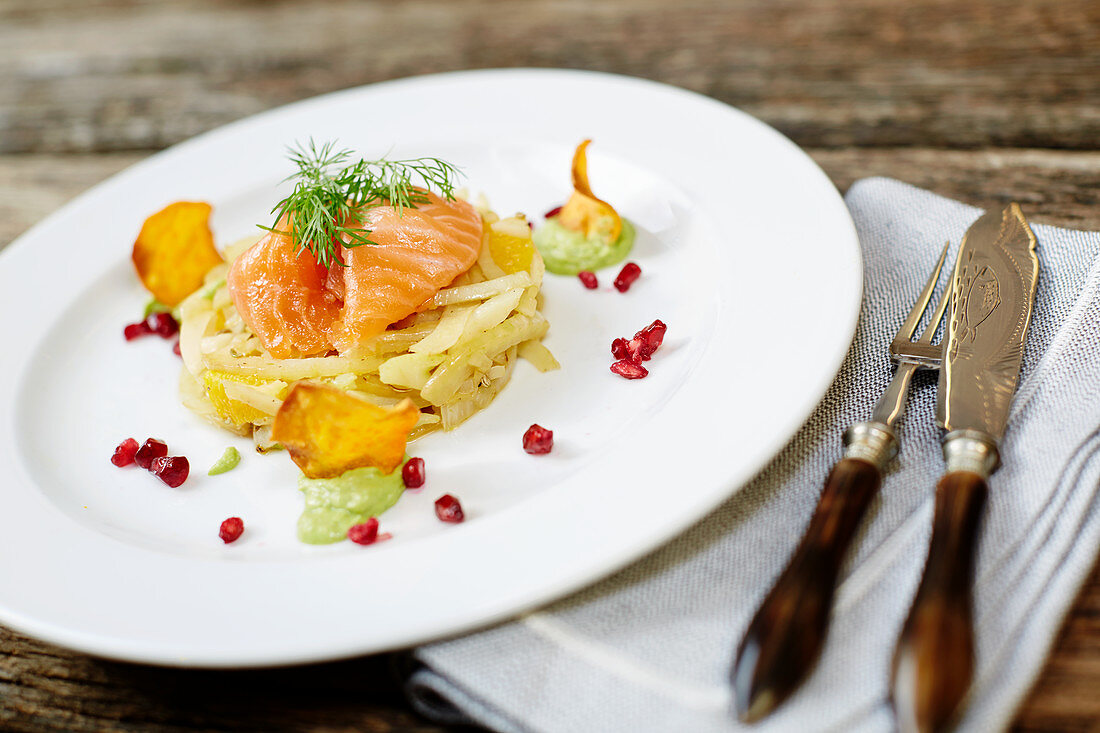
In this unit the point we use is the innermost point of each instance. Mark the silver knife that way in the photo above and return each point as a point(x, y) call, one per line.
point(992, 294)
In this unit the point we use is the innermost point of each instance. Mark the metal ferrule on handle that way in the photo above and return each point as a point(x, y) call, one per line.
point(874, 442)
point(970, 450)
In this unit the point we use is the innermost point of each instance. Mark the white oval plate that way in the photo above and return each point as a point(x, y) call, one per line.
point(748, 254)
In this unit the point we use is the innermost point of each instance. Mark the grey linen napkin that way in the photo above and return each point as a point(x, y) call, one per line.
point(649, 649)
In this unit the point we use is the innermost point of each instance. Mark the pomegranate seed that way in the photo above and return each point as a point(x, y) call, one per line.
point(124, 453)
point(149, 450)
point(163, 324)
point(448, 509)
point(637, 350)
point(413, 473)
point(653, 335)
point(365, 533)
point(627, 276)
point(589, 279)
point(538, 440)
point(172, 470)
point(553, 212)
point(642, 346)
point(231, 530)
point(176, 349)
point(136, 330)
point(627, 369)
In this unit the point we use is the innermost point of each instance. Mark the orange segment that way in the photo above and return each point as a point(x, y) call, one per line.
point(511, 253)
point(328, 431)
point(174, 249)
point(231, 410)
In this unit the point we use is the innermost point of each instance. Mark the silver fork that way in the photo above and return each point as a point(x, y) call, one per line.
point(785, 637)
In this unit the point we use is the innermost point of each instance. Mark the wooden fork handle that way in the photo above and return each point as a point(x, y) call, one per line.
point(934, 658)
point(786, 635)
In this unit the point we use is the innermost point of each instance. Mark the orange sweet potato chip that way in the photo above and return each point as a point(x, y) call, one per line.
point(583, 211)
point(328, 431)
point(174, 250)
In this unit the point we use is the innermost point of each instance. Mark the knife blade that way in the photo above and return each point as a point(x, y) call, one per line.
point(992, 295)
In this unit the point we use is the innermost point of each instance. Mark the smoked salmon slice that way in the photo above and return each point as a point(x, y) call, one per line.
point(299, 308)
point(282, 296)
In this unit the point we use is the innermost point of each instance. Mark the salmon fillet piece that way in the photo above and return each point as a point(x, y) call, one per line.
point(298, 308)
point(282, 297)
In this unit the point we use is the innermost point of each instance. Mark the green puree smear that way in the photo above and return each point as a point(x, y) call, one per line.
point(567, 252)
point(335, 504)
point(227, 462)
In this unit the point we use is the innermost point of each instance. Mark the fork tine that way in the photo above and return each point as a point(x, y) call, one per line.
point(909, 327)
point(934, 324)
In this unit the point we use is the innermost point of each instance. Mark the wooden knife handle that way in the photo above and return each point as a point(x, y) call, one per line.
point(934, 659)
point(786, 635)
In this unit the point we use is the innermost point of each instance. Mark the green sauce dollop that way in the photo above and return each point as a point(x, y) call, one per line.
point(227, 462)
point(335, 504)
point(567, 252)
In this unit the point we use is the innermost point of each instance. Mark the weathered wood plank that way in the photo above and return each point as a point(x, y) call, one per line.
point(32, 186)
point(94, 76)
point(1055, 187)
point(43, 688)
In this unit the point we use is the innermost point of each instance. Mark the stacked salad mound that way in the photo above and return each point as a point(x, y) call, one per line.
point(378, 306)
point(403, 294)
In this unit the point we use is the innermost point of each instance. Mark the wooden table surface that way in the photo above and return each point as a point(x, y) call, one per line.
point(986, 101)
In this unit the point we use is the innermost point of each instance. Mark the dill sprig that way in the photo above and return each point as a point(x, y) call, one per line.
point(325, 209)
